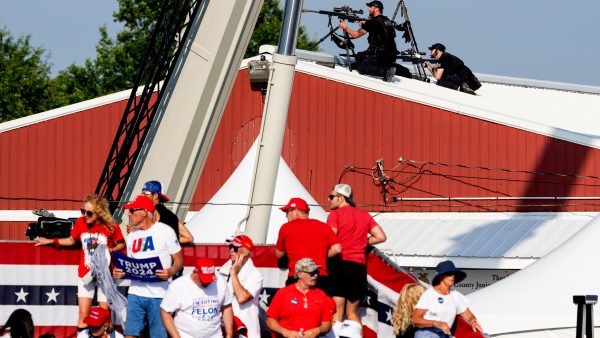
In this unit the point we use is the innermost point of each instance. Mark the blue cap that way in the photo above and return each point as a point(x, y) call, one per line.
point(156, 188)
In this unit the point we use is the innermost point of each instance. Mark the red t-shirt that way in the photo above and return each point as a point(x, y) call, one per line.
point(306, 238)
point(353, 226)
point(90, 238)
point(296, 311)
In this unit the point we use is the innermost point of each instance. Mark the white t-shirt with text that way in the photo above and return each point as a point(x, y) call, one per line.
point(197, 309)
point(442, 308)
point(158, 241)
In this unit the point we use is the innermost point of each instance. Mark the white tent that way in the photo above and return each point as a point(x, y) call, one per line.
point(217, 220)
point(538, 300)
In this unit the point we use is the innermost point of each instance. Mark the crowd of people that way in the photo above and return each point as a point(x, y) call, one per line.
point(327, 278)
point(380, 57)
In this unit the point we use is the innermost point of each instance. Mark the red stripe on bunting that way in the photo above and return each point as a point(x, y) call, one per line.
point(58, 331)
point(368, 333)
point(27, 253)
point(385, 274)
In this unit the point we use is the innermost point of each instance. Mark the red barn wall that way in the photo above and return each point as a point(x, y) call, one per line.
point(331, 126)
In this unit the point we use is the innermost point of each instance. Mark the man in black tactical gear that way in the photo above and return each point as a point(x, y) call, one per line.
point(379, 59)
point(450, 71)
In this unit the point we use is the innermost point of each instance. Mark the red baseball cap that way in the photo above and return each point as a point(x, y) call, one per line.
point(295, 203)
point(205, 267)
point(97, 317)
point(243, 241)
point(141, 202)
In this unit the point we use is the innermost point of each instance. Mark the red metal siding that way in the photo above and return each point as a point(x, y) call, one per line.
point(331, 126)
point(55, 163)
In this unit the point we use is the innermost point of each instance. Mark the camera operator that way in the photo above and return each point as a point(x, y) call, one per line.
point(379, 59)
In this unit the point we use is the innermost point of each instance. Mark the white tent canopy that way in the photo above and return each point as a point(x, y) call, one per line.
point(540, 297)
point(217, 220)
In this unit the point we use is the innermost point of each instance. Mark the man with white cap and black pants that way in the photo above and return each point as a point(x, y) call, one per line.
point(355, 229)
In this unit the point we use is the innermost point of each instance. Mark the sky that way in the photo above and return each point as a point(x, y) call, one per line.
point(537, 39)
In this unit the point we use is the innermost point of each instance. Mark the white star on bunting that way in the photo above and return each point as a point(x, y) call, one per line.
point(388, 316)
point(52, 296)
point(21, 296)
point(264, 297)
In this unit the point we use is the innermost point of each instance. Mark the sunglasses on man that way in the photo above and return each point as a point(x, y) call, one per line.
point(313, 273)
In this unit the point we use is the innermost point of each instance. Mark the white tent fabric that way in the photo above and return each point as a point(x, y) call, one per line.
point(540, 297)
point(217, 220)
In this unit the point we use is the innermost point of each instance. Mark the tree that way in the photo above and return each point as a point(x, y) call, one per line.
point(116, 63)
point(268, 27)
point(25, 86)
point(24, 78)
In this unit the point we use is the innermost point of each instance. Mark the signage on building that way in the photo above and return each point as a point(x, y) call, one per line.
point(476, 279)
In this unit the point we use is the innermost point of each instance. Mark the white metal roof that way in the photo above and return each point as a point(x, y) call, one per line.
point(549, 333)
point(66, 110)
point(540, 297)
point(476, 240)
point(564, 111)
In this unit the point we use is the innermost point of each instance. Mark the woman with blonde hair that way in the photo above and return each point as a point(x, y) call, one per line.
point(95, 227)
point(401, 320)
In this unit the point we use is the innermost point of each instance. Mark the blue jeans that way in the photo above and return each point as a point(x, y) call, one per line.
point(431, 332)
point(139, 307)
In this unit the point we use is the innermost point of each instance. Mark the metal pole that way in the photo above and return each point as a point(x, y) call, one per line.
point(585, 315)
point(273, 125)
point(289, 28)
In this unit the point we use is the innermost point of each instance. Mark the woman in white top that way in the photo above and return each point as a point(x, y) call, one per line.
point(439, 305)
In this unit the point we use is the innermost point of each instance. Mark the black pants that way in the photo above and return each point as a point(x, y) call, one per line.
point(451, 81)
point(375, 64)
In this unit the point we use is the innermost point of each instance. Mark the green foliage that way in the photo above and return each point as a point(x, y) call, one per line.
point(26, 87)
point(268, 27)
point(24, 78)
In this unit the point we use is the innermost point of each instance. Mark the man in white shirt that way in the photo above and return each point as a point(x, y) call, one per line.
point(147, 240)
point(198, 300)
point(244, 281)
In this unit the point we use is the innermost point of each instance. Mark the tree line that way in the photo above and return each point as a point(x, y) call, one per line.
point(26, 84)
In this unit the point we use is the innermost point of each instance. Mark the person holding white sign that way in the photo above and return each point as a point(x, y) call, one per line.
point(148, 240)
point(198, 301)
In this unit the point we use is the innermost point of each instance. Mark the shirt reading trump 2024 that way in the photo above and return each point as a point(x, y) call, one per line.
point(158, 241)
point(197, 309)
